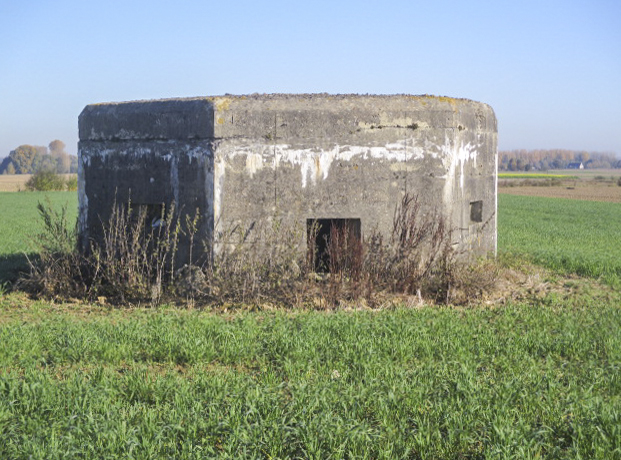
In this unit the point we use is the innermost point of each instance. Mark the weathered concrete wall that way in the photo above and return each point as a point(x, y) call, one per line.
point(243, 159)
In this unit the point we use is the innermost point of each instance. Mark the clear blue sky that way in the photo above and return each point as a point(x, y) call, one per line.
point(550, 69)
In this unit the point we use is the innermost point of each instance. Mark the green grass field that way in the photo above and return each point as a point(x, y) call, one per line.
point(520, 381)
point(569, 236)
point(538, 380)
point(20, 224)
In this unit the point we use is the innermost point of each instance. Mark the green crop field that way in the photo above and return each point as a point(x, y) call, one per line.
point(570, 236)
point(527, 380)
point(520, 381)
point(20, 224)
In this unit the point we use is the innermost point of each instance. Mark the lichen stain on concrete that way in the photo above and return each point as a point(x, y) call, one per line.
point(387, 121)
point(221, 103)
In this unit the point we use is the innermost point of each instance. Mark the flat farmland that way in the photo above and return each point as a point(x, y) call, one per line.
point(568, 236)
point(13, 182)
point(17, 182)
point(584, 193)
point(585, 186)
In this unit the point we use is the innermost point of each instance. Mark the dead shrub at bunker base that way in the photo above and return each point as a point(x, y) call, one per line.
point(135, 264)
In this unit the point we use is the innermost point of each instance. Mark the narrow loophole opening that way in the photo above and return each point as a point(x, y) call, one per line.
point(476, 211)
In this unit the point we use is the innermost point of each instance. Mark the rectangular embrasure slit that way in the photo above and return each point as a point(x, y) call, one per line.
point(476, 211)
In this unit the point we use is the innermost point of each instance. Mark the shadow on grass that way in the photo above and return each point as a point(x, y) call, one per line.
point(13, 265)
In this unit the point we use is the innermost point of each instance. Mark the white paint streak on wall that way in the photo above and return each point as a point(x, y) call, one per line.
point(315, 165)
point(455, 156)
point(87, 154)
point(464, 154)
point(218, 181)
point(254, 162)
point(193, 153)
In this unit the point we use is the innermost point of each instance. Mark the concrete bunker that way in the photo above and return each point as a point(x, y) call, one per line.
point(334, 159)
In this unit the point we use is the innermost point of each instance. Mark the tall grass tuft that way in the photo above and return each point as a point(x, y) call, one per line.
point(133, 263)
point(58, 270)
point(136, 257)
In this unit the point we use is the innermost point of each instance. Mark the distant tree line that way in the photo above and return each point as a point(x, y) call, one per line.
point(30, 159)
point(543, 160)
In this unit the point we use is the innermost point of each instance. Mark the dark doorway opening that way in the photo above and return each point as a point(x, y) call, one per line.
point(332, 243)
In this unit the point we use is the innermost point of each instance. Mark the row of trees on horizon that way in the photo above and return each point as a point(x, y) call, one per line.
point(543, 160)
point(30, 159)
